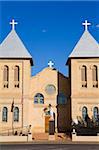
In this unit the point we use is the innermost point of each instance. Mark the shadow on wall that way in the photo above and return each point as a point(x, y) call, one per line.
point(63, 104)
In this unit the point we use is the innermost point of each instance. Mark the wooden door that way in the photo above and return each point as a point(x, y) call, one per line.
point(47, 123)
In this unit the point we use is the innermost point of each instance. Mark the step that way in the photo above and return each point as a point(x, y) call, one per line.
point(45, 136)
point(40, 136)
point(62, 136)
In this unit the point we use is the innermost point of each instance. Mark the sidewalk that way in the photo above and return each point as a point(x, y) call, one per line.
point(48, 142)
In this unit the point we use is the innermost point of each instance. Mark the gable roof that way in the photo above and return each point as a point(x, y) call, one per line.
point(48, 69)
point(12, 47)
point(87, 46)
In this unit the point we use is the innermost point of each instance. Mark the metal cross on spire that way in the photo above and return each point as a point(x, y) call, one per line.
point(50, 64)
point(86, 24)
point(13, 23)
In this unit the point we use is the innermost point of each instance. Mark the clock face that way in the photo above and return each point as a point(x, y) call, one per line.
point(50, 89)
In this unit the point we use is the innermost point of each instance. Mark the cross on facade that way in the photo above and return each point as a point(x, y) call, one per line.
point(86, 24)
point(50, 64)
point(13, 23)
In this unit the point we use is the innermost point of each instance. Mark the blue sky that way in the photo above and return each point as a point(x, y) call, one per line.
point(49, 30)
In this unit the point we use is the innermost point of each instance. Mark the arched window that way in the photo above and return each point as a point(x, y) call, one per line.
point(38, 99)
point(95, 113)
point(6, 76)
point(84, 76)
point(16, 76)
point(61, 99)
point(5, 114)
point(16, 114)
point(95, 76)
point(84, 112)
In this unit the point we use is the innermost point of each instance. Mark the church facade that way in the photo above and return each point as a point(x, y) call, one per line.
point(26, 100)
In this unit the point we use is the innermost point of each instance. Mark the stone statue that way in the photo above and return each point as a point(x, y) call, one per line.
point(51, 112)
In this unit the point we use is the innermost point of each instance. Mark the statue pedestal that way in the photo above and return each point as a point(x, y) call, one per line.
point(51, 138)
point(51, 127)
point(51, 130)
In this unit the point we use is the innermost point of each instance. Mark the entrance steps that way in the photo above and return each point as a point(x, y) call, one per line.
point(45, 136)
point(40, 136)
point(62, 137)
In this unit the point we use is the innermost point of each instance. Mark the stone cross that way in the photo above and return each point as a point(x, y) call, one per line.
point(86, 24)
point(13, 23)
point(50, 64)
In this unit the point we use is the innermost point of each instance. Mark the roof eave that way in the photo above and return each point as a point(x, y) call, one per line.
point(68, 61)
point(87, 57)
point(31, 60)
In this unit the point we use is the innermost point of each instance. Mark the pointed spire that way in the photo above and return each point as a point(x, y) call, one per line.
point(87, 46)
point(13, 23)
point(86, 24)
point(13, 47)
